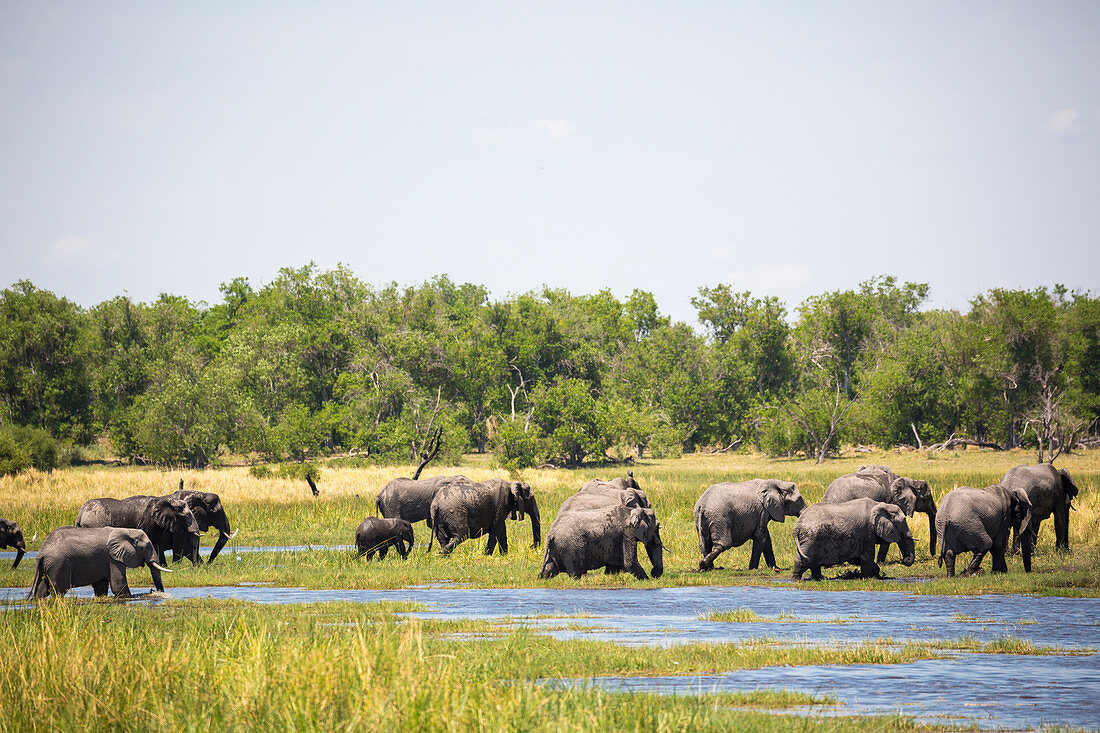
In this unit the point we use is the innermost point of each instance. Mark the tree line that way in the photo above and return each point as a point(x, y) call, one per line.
point(319, 362)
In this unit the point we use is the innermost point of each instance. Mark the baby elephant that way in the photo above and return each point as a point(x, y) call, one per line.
point(833, 534)
point(376, 533)
point(981, 521)
point(97, 556)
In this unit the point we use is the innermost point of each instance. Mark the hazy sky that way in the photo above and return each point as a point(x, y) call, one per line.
point(786, 148)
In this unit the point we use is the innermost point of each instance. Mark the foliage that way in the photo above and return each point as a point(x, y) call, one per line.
point(41, 449)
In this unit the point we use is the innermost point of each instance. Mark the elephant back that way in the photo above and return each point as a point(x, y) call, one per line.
point(856, 486)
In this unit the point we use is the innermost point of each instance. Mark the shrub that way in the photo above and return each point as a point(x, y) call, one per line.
point(13, 458)
point(33, 445)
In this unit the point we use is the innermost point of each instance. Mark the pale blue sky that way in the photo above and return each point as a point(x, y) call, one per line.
point(786, 148)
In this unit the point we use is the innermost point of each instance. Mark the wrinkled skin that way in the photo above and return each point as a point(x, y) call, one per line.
point(376, 534)
point(162, 518)
point(832, 534)
point(97, 556)
point(882, 484)
point(617, 487)
point(209, 512)
point(411, 499)
point(1051, 492)
point(593, 499)
point(12, 536)
point(981, 521)
point(604, 537)
point(730, 514)
point(463, 511)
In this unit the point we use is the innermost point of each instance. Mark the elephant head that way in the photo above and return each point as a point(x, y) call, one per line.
point(1020, 516)
point(131, 548)
point(12, 536)
point(404, 531)
point(890, 526)
point(1069, 489)
point(522, 501)
point(644, 527)
point(209, 512)
point(781, 499)
point(177, 519)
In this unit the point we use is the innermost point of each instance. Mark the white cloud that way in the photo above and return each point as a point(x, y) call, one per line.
point(772, 279)
point(1063, 122)
point(556, 130)
point(76, 250)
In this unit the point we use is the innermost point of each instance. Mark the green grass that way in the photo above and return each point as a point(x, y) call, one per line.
point(233, 666)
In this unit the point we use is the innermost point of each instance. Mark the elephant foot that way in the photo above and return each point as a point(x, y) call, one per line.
point(968, 573)
point(705, 565)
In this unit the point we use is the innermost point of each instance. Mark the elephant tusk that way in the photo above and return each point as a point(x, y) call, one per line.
point(160, 567)
point(234, 534)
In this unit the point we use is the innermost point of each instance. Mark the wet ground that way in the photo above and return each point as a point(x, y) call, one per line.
point(1008, 691)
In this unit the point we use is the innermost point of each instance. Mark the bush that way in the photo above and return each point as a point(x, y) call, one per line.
point(260, 471)
point(299, 471)
point(515, 449)
point(35, 446)
point(13, 458)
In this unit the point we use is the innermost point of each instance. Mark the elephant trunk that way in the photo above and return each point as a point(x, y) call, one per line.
point(20, 550)
point(656, 551)
point(536, 523)
point(908, 550)
point(932, 532)
point(220, 523)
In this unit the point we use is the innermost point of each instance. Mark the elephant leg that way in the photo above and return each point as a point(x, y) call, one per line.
point(999, 564)
point(815, 573)
point(869, 569)
point(119, 586)
point(883, 550)
point(949, 561)
point(769, 554)
point(1061, 529)
point(448, 548)
point(707, 563)
point(382, 550)
point(100, 587)
point(975, 566)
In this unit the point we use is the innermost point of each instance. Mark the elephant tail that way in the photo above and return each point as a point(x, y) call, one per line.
point(38, 576)
point(431, 527)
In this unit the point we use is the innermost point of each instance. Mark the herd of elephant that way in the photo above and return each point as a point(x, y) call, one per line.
point(860, 515)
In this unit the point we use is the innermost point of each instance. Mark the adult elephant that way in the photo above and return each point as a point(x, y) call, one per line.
point(610, 497)
point(411, 499)
point(617, 487)
point(981, 521)
point(462, 511)
point(12, 536)
point(882, 484)
point(161, 517)
point(832, 534)
point(377, 534)
point(71, 557)
point(606, 537)
point(209, 512)
point(1051, 492)
point(730, 514)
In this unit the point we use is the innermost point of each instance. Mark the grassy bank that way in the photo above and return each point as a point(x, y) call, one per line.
point(275, 511)
point(228, 666)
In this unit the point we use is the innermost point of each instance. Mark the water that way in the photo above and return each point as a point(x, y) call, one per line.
point(225, 551)
point(1002, 690)
point(994, 691)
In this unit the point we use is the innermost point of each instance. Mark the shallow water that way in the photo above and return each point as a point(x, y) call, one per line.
point(225, 551)
point(665, 616)
point(990, 690)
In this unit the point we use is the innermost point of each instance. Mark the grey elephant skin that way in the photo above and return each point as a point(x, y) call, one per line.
point(209, 513)
point(71, 557)
point(832, 534)
point(377, 534)
point(1051, 492)
point(463, 511)
point(618, 487)
point(730, 514)
point(12, 536)
point(981, 521)
point(411, 499)
point(605, 537)
point(162, 518)
point(882, 484)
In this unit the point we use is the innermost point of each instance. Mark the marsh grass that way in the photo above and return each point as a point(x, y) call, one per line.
point(232, 666)
point(748, 616)
point(280, 511)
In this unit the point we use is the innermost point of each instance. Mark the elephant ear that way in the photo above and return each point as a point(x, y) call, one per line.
point(518, 502)
point(885, 527)
point(902, 494)
point(772, 499)
point(636, 523)
point(122, 548)
point(166, 512)
point(1068, 487)
point(1021, 507)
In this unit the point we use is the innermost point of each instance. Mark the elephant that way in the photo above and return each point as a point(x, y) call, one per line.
point(980, 521)
point(378, 534)
point(605, 537)
point(12, 536)
point(730, 514)
point(462, 511)
point(411, 499)
point(833, 534)
point(882, 484)
point(617, 487)
point(209, 512)
point(609, 497)
point(161, 517)
point(97, 556)
point(1051, 492)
